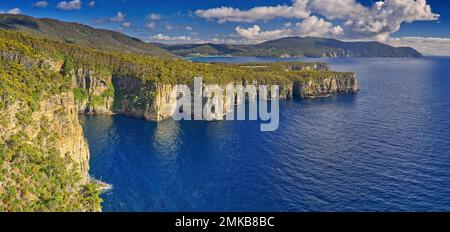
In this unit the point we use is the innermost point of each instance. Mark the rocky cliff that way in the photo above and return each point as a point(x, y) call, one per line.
point(45, 159)
point(55, 124)
point(332, 84)
point(93, 91)
point(45, 84)
point(153, 101)
point(106, 93)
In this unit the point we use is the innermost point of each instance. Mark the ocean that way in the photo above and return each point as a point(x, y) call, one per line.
point(386, 148)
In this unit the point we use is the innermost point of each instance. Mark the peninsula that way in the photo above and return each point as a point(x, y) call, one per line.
point(47, 79)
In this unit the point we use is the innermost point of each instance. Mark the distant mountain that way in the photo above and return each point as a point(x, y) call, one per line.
point(204, 49)
point(296, 47)
point(75, 33)
point(79, 34)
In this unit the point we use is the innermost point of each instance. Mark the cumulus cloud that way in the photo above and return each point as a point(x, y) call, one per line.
point(150, 25)
point(69, 5)
point(11, 11)
point(126, 24)
point(189, 28)
point(386, 17)
point(287, 25)
point(313, 26)
point(254, 34)
point(40, 4)
point(162, 38)
point(228, 14)
point(425, 45)
point(333, 9)
point(119, 17)
point(154, 16)
point(377, 22)
point(226, 41)
point(91, 4)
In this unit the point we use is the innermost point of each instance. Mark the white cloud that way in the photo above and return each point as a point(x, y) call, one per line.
point(313, 26)
point(376, 22)
point(169, 27)
point(333, 9)
point(189, 28)
point(126, 24)
point(11, 11)
point(287, 25)
point(40, 4)
point(386, 17)
point(119, 17)
point(70, 5)
point(150, 25)
point(161, 38)
point(357, 21)
point(91, 4)
point(425, 45)
point(154, 16)
point(228, 14)
point(227, 41)
point(255, 35)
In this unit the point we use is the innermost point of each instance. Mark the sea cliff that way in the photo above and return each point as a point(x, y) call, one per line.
point(108, 94)
point(333, 84)
point(44, 156)
point(42, 152)
point(46, 84)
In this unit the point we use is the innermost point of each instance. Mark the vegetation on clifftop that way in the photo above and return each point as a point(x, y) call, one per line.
point(34, 176)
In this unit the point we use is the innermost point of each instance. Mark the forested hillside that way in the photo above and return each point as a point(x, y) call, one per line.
point(296, 47)
point(45, 83)
point(78, 34)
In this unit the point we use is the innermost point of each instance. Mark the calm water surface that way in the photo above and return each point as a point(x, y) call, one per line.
point(385, 149)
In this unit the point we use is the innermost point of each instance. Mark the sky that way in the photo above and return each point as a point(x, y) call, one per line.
point(422, 24)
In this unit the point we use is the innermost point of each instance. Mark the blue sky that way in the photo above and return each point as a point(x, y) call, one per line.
point(399, 22)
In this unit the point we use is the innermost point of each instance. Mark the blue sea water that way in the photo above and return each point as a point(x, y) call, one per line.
point(384, 149)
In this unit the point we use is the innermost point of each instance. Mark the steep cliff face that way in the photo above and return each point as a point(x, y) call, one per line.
point(62, 118)
point(155, 102)
point(55, 123)
point(45, 159)
point(44, 85)
point(93, 91)
point(152, 101)
point(334, 84)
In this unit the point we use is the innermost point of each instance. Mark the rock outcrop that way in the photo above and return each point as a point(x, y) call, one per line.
point(334, 84)
point(55, 122)
point(93, 91)
point(108, 94)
